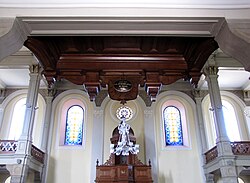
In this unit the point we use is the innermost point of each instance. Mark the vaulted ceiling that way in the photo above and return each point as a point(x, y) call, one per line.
point(100, 61)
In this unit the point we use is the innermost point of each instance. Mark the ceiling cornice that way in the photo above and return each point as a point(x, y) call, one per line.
point(177, 26)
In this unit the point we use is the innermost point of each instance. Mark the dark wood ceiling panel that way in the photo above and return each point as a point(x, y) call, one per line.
point(97, 61)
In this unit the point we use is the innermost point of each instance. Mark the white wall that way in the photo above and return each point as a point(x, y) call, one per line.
point(178, 164)
point(70, 163)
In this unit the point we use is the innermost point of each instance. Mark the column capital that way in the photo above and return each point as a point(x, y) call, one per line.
point(211, 70)
point(198, 94)
point(34, 68)
point(51, 92)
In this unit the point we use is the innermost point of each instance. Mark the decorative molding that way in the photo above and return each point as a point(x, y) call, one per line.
point(98, 113)
point(233, 45)
point(147, 100)
point(2, 95)
point(247, 111)
point(199, 93)
point(211, 71)
point(246, 95)
point(100, 97)
point(115, 25)
point(148, 113)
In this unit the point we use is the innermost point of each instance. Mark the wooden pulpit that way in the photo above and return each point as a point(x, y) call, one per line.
point(123, 169)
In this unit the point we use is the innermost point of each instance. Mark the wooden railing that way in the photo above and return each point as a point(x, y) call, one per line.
point(211, 154)
point(37, 154)
point(241, 148)
point(238, 148)
point(8, 146)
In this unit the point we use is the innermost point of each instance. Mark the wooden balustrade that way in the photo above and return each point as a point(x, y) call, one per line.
point(37, 154)
point(8, 146)
point(238, 148)
point(211, 154)
point(241, 148)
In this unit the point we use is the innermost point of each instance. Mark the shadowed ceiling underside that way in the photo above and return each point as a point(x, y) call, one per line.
point(123, 63)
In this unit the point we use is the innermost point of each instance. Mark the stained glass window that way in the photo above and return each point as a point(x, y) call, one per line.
point(74, 126)
point(172, 126)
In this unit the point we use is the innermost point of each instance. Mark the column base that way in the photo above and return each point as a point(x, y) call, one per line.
point(209, 178)
point(229, 180)
point(18, 173)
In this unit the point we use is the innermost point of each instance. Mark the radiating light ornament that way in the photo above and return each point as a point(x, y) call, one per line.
point(124, 145)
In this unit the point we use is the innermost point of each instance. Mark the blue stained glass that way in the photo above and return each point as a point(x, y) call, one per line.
point(74, 126)
point(172, 126)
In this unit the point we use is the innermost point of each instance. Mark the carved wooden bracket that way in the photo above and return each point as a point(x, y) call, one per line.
point(100, 61)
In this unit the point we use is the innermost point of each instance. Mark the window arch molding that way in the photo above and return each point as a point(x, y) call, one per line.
point(59, 107)
point(238, 106)
point(187, 108)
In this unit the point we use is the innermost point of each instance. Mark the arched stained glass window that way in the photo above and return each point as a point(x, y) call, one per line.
point(74, 126)
point(172, 126)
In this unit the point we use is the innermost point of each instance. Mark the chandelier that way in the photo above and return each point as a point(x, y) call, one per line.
point(124, 145)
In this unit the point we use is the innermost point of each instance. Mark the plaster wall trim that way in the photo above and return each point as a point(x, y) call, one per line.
point(232, 44)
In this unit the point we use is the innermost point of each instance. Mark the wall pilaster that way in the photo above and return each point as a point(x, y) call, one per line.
point(150, 142)
point(97, 142)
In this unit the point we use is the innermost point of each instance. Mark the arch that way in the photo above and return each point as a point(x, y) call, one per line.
point(184, 102)
point(60, 106)
point(238, 106)
point(8, 109)
point(17, 119)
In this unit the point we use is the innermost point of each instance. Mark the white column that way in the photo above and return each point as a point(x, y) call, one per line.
point(227, 162)
point(97, 141)
point(35, 77)
point(216, 104)
point(150, 141)
point(209, 178)
point(1, 115)
point(2, 93)
point(25, 141)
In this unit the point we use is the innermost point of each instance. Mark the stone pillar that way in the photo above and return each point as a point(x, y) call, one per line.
point(227, 163)
point(150, 142)
point(1, 115)
point(46, 129)
point(97, 142)
point(16, 173)
point(2, 96)
point(35, 77)
point(209, 178)
point(25, 140)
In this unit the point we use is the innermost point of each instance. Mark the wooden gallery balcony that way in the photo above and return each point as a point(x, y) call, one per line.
point(9, 155)
point(241, 153)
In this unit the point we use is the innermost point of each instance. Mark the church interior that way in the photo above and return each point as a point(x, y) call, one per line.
point(129, 91)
